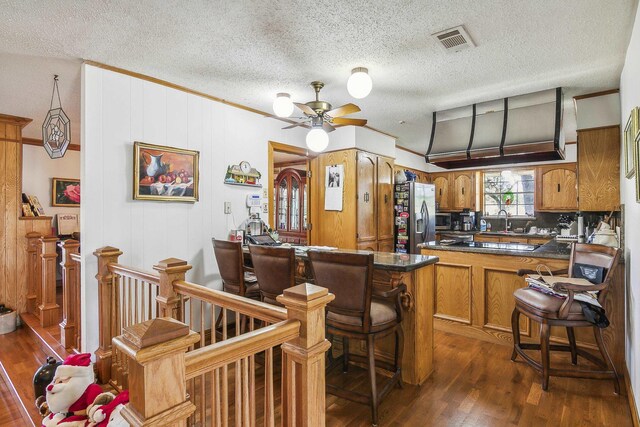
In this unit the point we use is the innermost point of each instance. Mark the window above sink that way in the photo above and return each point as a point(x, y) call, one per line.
point(511, 190)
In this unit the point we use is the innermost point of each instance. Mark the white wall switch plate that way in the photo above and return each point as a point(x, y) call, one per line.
point(227, 207)
point(265, 193)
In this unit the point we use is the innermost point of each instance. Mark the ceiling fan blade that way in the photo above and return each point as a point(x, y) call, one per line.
point(343, 110)
point(327, 127)
point(305, 109)
point(347, 122)
point(293, 126)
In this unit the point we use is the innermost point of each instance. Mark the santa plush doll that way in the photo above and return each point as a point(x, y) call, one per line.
point(72, 390)
point(108, 415)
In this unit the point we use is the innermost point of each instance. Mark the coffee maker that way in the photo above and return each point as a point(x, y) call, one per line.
point(467, 221)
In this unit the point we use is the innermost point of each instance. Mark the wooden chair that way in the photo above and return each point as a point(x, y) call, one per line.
point(231, 265)
point(275, 268)
point(360, 312)
point(552, 311)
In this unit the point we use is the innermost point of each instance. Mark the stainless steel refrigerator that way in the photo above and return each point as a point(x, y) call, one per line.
point(415, 216)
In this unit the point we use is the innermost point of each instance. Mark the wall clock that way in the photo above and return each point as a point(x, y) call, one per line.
point(245, 167)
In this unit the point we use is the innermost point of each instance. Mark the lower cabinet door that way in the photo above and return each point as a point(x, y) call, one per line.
point(368, 246)
point(385, 245)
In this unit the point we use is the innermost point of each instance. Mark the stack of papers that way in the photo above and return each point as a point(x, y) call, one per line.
point(545, 284)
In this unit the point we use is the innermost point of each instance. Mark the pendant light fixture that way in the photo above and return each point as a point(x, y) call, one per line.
point(317, 139)
point(282, 106)
point(359, 84)
point(56, 129)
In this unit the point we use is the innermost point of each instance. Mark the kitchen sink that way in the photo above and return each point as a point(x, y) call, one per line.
point(523, 247)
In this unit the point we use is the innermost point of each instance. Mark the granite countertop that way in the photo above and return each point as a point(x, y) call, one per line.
point(497, 233)
point(384, 260)
point(551, 249)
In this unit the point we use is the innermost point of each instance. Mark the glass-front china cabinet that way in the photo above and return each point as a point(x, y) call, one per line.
point(291, 206)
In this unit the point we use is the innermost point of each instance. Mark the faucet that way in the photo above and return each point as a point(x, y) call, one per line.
point(506, 219)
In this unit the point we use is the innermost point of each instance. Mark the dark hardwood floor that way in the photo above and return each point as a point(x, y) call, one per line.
point(476, 384)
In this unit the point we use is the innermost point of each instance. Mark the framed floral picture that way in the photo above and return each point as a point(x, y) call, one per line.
point(630, 133)
point(165, 173)
point(65, 192)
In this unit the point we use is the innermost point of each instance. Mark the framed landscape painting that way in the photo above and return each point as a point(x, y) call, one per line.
point(65, 192)
point(165, 173)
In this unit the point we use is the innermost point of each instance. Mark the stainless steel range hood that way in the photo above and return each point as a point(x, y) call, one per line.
point(519, 129)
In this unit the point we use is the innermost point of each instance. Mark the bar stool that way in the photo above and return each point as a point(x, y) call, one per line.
point(231, 265)
point(360, 312)
point(550, 311)
point(275, 268)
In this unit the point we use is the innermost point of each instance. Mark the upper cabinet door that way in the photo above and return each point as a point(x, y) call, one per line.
point(385, 198)
point(441, 182)
point(599, 167)
point(464, 190)
point(366, 215)
point(557, 188)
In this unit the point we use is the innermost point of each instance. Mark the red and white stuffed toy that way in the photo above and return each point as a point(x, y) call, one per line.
point(72, 390)
point(108, 415)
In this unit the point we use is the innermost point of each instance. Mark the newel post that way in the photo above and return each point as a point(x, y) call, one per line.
point(70, 293)
point(106, 310)
point(34, 274)
point(48, 306)
point(303, 359)
point(170, 270)
point(157, 377)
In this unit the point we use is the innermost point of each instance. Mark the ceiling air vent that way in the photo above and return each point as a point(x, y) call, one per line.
point(454, 39)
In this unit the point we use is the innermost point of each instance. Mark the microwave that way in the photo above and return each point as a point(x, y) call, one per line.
point(443, 221)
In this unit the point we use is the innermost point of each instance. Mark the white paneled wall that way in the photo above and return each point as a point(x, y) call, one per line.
point(118, 110)
point(629, 98)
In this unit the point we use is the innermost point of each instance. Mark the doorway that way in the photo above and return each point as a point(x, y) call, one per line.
point(290, 193)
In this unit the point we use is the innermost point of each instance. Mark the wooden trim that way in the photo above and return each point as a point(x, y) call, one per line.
point(571, 143)
point(594, 94)
point(409, 151)
point(35, 218)
point(22, 121)
point(630, 397)
point(380, 131)
point(291, 164)
point(38, 143)
point(597, 128)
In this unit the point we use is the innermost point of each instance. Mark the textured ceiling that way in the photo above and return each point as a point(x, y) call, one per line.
point(247, 51)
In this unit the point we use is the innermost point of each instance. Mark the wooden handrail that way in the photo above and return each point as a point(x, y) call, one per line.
point(214, 356)
point(134, 273)
point(257, 309)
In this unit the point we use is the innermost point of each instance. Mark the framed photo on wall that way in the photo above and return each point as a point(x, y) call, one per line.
point(165, 173)
point(630, 133)
point(637, 162)
point(65, 192)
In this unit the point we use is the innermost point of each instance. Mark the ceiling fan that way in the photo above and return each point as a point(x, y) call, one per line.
point(319, 114)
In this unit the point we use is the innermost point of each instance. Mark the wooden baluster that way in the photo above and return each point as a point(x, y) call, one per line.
point(48, 308)
point(77, 260)
point(303, 376)
point(157, 393)
point(34, 272)
point(108, 306)
point(70, 294)
point(269, 409)
point(170, 269)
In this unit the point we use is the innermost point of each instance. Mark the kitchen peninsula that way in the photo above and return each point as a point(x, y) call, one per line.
point(474, 288)
point(391, 270)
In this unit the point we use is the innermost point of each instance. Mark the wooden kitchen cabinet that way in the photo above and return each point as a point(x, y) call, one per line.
point(556, 188)
point(366, 197)
point(463, 190)
point(599, 169)
point(384, 195)
point(441, 181)
point(366, 220)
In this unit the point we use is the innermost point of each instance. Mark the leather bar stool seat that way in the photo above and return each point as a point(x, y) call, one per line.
point(547, 305)
point(383, 315)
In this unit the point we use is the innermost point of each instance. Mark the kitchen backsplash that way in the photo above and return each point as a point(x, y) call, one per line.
point(550, 220)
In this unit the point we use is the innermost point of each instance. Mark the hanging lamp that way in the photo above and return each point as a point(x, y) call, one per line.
point(56, 129)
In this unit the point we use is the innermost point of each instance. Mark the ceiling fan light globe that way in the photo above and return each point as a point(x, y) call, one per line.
point(282, 106)
point(317, 140)
point(359, 84)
